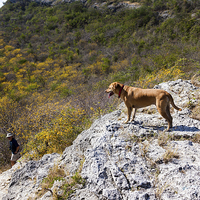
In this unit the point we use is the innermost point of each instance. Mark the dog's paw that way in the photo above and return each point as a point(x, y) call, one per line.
point(167, 130)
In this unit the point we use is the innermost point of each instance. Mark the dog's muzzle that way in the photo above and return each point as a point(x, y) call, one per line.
point(110, 94)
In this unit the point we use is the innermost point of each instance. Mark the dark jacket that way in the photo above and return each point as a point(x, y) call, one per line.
point(13, 145)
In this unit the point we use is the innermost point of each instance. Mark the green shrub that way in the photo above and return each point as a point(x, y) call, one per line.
point(22, 61)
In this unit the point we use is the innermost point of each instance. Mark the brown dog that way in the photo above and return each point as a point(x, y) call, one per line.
point(135, 98)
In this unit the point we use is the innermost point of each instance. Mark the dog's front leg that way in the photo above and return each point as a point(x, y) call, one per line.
point(129, 114)
point(134, 112)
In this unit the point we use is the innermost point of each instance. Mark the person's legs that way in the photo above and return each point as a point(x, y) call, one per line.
point(14, 158)
point(12, 163)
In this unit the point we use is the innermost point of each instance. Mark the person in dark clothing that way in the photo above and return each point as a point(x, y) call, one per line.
point(14, 147)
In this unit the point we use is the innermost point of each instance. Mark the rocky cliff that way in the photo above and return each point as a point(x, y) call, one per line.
point(111, 5)
point(117, 161)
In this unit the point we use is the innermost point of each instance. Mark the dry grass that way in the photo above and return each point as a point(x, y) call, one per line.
point(55, 173)
point(196, 112)
point(196, 138)
point(160, 189)
point(163, 139)
point(195, 80)
point(144, 149)
point(68, 184)
point(4, 168)
point(169, 155)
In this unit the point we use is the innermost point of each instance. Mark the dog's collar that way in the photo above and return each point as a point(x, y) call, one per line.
point(120, 91)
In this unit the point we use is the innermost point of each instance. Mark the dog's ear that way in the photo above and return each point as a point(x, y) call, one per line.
point(117, 86)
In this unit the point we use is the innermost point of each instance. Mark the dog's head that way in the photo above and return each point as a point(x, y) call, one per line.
point(113, 88)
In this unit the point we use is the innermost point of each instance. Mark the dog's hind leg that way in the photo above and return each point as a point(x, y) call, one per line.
point(169, 119)
point(168, 114)
point(163, 109)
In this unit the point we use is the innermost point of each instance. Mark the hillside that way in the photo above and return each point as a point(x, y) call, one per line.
point(56, 61)
point(115, 161)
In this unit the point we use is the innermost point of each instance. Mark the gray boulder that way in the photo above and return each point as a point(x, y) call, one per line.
point(24, 182)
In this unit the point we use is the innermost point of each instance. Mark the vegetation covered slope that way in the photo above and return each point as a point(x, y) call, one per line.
point(55, 63)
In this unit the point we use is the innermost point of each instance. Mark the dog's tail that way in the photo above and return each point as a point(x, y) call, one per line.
point(172, 102)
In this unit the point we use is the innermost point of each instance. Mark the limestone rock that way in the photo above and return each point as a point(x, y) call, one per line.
point(24, 182)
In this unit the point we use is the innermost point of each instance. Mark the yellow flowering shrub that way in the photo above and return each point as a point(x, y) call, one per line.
point(16, 52)
point(1, 42)
point(120, 65)
point(8, 47)
point(155, 77)
point(2, 60)
point(49, 128)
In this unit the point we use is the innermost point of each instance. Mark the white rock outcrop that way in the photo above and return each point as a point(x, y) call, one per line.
point(130, 161)
point(112, 5)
